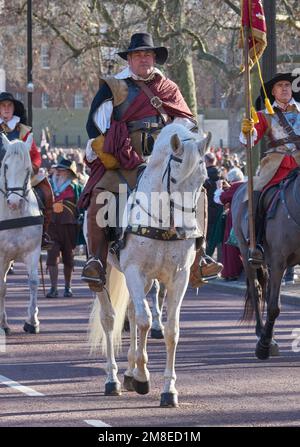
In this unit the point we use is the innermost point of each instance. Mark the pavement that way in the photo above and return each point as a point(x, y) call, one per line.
point(290, 293)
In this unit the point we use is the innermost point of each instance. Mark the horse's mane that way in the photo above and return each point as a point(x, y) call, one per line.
point(16, 148)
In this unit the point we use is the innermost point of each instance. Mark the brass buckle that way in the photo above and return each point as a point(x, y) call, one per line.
point(156, 102)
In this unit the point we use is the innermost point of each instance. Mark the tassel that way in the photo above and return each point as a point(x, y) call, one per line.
point(254, 115)
point(269, 107)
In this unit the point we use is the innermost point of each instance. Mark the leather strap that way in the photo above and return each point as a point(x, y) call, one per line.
point(21, 222)
point(155, 101)
point(287, 127)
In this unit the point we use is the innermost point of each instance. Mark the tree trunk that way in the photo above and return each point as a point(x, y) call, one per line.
point(181, 64)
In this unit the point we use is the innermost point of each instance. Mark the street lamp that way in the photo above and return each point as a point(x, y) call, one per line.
point(29, 62)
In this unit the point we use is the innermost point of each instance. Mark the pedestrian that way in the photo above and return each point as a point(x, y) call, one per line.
point(125, 118)
point(64, 224)
point(231, 256)
point(214, 209)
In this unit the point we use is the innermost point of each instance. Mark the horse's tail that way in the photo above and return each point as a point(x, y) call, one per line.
point(261, 286)
point(118, 295)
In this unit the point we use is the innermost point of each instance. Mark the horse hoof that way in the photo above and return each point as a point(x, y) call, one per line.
point(141, 387)
point(274, 349)
point(7, 331)
point(262, 352)
point(31, 329)
point(112, 389)
point(128, 385)
point(157, 333)
point(169, 400)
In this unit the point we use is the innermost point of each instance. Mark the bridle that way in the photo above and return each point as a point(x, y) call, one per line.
point(15, 190)
point(170, 179)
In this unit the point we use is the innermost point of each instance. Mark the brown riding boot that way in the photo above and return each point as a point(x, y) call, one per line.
point(45, 193)
point(94, 270)
point(202, 270)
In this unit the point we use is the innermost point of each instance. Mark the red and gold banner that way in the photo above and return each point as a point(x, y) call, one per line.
point(253, 16)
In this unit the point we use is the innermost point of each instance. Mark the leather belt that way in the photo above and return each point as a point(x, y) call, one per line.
point(145, 125)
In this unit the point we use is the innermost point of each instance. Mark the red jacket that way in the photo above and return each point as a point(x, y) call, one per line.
point(35, 155)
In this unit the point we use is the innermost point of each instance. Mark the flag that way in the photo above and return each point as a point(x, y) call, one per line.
point(253, 16)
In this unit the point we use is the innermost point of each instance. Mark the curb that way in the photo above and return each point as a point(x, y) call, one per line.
point(285, 297)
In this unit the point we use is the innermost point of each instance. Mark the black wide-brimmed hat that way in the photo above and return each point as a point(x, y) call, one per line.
point(18, 105)
point(64, 163)
point(144, 42)
point(259, 103)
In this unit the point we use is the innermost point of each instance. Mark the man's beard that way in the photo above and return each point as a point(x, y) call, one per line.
point(60, 179)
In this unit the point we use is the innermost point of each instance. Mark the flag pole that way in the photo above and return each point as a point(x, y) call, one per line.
point(248, 146)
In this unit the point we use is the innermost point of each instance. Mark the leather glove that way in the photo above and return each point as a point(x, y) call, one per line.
point(247, 126)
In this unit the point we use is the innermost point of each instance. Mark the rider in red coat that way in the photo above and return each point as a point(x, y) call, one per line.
point(13, 124)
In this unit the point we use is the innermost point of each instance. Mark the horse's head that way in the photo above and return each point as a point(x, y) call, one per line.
point(188, 159)
point(15, 171)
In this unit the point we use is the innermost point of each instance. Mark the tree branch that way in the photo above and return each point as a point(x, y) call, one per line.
point(235, 8)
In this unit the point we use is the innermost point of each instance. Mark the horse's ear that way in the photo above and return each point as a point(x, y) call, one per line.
point(203, 145)
point(29, 141)
point(5, 140)
point(176, 144)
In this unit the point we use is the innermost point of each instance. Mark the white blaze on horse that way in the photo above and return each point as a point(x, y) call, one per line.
point(20, 225)
point(176, 165)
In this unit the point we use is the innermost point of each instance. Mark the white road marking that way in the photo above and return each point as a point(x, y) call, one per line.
point(96, 423)
point(17, 386)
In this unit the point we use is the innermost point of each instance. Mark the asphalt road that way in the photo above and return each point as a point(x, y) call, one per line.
point(49, 379)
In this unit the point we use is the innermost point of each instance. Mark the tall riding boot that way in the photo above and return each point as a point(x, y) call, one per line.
point(95, 268)
point(256, 256)
point(53, 273)
point(45, 193)
point(68, 276)
point(204, 267)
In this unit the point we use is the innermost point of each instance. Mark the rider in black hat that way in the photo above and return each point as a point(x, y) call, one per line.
point(282, 130)
point(13, 124)
point(125, 118)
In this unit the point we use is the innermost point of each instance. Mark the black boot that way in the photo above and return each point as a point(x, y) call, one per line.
point(53, 293)
point(256, 256)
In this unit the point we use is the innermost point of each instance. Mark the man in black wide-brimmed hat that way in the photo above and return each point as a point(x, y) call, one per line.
point(125, 118)
point(13, 125)
point(282, 130)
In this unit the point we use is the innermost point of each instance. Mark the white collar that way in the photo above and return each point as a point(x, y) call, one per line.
point(291, 103)
point(11, 123)
point(127, 73)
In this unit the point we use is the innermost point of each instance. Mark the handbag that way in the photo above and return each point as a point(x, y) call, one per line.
point(232, 240)
point(109, 161)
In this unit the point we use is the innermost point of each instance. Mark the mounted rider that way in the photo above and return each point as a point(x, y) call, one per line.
point(13, 125)
point(282, 130)
point(125, 118)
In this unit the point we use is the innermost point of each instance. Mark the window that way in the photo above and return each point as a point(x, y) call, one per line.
point(45, 100)
point(78, 100)
point(20, 97)
point(45, 56)
point(20, 57)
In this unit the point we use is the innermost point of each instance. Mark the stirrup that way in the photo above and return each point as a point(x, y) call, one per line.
point(256, 256)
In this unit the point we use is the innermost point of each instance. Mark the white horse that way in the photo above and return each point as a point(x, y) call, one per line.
point(176, 164)
point(20, 225)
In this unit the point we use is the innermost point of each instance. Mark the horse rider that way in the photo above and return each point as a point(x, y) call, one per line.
point(125, 117)
point(282, 130)
point(63, 227)
point(13, 125)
